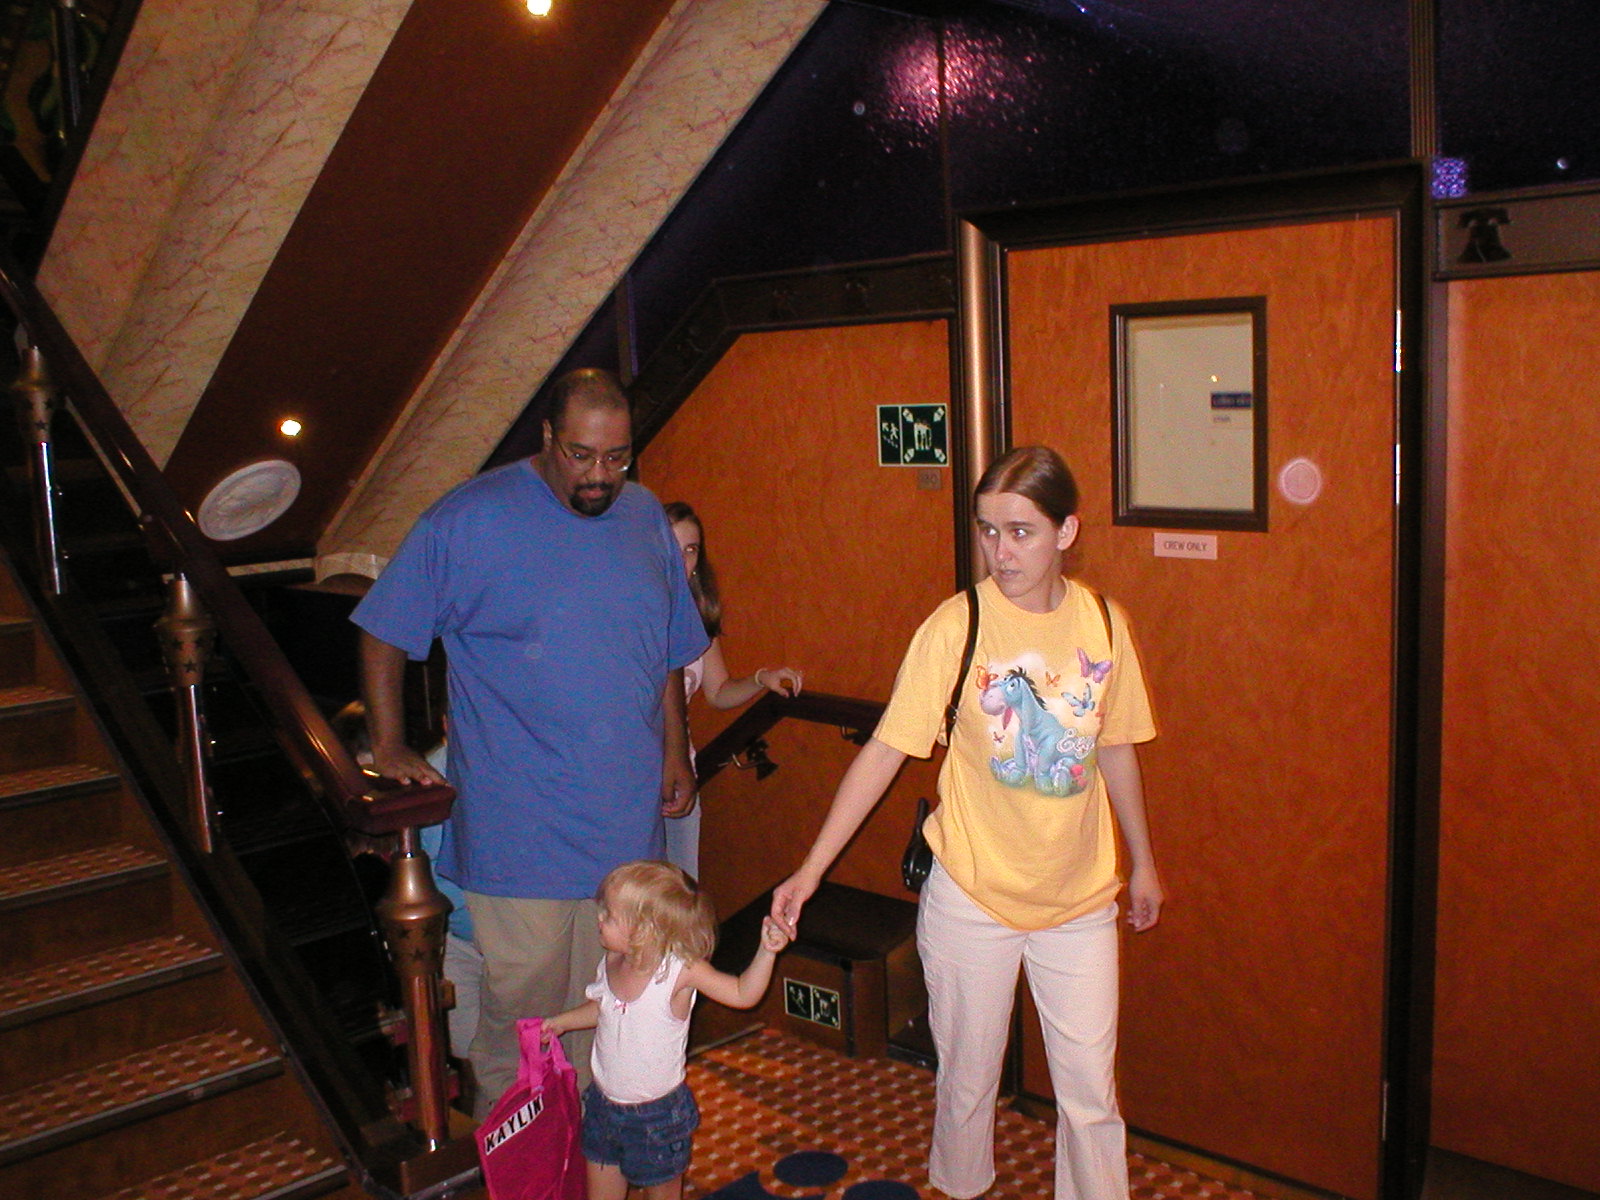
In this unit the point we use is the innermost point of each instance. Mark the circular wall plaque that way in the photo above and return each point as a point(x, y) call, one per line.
point(249, 500)
point(1300, 481)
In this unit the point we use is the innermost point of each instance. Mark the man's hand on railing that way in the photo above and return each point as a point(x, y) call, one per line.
point(403, 764)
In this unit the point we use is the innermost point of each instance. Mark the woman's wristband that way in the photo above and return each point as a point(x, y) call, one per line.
point(757, 677)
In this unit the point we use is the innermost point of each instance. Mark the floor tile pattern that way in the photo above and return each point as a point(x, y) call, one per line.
point(768, 1099)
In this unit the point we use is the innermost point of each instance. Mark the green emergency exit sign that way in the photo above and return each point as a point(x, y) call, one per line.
point(913, 435)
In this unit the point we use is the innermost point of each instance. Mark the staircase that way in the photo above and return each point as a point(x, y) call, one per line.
point(134, 1059)
point(295, 858)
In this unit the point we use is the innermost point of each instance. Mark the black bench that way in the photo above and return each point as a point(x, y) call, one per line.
point(851, 980)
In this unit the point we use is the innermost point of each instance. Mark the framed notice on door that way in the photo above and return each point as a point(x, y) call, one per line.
point(1189, 420)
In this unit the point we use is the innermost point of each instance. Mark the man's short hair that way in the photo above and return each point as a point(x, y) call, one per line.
point(588, 387)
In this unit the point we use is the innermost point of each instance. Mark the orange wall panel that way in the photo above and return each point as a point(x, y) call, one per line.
point(827, 562)
point(1517, 1036)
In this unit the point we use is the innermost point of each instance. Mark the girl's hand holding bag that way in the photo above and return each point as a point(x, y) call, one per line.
point(530, 1146)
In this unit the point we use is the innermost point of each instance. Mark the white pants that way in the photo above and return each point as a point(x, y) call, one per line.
point(463, 967)
point(683, 840)
point(971, 964)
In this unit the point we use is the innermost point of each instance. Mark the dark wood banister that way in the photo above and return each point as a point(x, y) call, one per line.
point(855, 718)
point(357, 800)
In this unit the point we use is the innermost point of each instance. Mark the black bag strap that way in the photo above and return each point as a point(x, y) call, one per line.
point(966, 663)
point(1105, 615)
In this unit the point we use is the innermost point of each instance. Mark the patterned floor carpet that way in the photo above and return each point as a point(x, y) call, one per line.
point(784, 1118)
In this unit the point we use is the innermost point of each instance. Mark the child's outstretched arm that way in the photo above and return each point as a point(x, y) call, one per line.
point(723, 691)
point(584, 1016)
point(744, 990)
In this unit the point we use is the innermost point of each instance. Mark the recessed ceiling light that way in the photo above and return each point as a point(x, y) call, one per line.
point(289, 427)
point(539, 8)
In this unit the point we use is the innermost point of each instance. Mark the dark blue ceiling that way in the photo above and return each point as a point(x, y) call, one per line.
point(891, 118)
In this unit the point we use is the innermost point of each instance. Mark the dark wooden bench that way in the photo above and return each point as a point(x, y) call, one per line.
point(851, 980)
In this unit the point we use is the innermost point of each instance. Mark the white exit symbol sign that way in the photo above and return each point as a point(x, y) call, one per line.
point(913, 435)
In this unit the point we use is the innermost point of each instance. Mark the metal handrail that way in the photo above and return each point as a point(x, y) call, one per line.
point(855, 718)
point(357, 800)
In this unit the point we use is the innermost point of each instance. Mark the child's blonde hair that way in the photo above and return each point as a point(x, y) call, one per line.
point(665, 910)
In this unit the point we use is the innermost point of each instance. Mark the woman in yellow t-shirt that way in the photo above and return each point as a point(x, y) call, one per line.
point(1041, 773)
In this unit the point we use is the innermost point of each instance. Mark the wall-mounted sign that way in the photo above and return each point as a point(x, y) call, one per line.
point(913, 435)
point(1185, 545)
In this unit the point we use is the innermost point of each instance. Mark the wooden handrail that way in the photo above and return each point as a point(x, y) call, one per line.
point(356, 799)
point(856, 718)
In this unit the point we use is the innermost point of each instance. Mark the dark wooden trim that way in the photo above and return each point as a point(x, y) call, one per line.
point(911, 289)
point(1422, 70)
point(1161, 212)
point(1538, 230)
point(1417, 707)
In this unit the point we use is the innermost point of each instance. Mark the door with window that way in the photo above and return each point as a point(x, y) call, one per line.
point(1253, 1016)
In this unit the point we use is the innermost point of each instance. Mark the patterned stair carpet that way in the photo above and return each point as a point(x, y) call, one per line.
point(784, 1118)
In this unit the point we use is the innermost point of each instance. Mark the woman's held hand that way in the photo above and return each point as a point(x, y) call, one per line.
point(788, 898)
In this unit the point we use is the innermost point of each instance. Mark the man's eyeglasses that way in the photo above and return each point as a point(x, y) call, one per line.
point(615, 461)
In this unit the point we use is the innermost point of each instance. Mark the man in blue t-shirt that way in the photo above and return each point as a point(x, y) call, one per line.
point(560, 596)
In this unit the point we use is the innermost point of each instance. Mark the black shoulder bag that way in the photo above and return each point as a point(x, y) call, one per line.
point(917, 861)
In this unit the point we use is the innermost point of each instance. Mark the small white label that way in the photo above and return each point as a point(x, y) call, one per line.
point(1186, 545)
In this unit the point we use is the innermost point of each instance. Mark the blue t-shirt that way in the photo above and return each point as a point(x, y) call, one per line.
point(560, 630)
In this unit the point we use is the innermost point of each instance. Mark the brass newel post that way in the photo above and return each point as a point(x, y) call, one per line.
point(186, 632)
point(414, 914)
point(35, 394)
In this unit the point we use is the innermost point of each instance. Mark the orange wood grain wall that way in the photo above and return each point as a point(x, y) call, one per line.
point(1517, 1038)
point(1252, 1016)
point(827, 561)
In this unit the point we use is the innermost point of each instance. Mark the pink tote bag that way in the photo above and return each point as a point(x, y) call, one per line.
point(530, 1147)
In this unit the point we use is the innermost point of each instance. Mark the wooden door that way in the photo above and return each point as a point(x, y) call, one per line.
point(1253, 1016)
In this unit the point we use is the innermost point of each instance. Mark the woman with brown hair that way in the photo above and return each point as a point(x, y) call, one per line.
point(1040, 774)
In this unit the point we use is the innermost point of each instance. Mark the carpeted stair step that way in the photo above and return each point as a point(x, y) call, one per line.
point(17, 656)
point(81, 1104)
point(49, 811)
point(89, 979)
point(277, 1168)
point(36, 727)
point(84, 871)
point(29, 699)
point(39, 785)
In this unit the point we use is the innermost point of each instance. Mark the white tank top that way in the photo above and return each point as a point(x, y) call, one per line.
point(639, 1046)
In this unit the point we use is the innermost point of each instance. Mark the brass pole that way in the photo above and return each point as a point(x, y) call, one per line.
point(187, 632)
point(981, 384)
point(36, 397)
point(414, 914)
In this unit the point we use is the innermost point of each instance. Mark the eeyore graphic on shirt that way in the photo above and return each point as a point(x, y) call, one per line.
point(1046, 754)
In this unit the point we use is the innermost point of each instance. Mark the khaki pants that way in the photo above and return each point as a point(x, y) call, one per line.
point(538, 957)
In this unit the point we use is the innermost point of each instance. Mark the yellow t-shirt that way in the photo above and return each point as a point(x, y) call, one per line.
point(1024, 824)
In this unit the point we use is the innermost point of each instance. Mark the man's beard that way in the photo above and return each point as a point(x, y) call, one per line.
point(592, 502)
